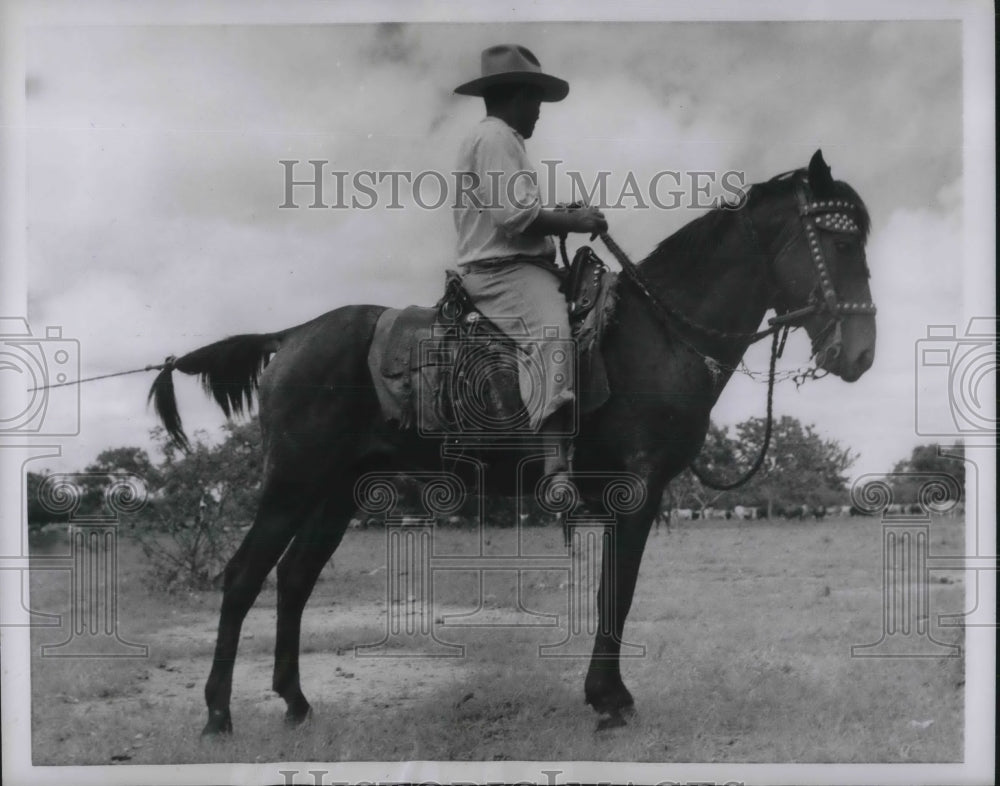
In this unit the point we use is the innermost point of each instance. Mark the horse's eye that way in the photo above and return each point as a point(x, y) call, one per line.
point(843, 246)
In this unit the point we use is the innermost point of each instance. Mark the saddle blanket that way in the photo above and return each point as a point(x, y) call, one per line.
point(436, 375)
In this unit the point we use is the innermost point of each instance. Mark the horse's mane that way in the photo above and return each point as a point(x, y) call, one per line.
point(693, 242)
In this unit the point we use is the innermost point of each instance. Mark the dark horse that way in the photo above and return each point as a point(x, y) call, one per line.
point(796, 245)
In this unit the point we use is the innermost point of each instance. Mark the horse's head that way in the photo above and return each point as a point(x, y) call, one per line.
point(821, 271)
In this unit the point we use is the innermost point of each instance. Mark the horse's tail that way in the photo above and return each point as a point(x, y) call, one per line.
point(230, 372)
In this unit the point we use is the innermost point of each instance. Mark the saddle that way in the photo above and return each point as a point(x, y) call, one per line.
point(450, 370)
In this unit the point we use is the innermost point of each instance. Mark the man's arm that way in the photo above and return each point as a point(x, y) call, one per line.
point(562, 222)
point(518, 209)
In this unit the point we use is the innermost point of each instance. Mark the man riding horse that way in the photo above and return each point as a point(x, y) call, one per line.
point(505, 247)
point(682, 323)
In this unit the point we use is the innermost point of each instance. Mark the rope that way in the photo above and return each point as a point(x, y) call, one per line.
point(159, 367)
point(720, 485)
point(562, 251)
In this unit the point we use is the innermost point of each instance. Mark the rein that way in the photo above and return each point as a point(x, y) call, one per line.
point(704, 478)
point(632, 271)
point(829, 215)
point(778, 330)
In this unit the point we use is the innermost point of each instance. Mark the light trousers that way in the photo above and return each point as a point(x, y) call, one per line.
point(524, 301)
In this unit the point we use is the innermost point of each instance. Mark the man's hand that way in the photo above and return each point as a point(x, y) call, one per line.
point(590, 219)
point(569, 218)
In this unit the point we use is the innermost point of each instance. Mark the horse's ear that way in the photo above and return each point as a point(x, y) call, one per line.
point(820, 179)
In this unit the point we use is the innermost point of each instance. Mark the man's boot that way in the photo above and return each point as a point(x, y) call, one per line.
point(558, 490)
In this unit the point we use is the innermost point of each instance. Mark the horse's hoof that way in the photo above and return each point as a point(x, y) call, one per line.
point(614, 720)
point(219, 722)
point(618, 702)
point(294, 719)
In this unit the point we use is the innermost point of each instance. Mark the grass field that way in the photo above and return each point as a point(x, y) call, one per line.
point(747, 628)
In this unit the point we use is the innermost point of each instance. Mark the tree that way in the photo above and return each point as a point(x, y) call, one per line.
point(924, 460)
point(801, 467)
point(129, 459)
point(718, 458)
point(200, 500)
point(92, 485)
point(39, 514)
point(97, 476)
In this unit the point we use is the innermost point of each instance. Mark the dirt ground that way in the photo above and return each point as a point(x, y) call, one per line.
point(746, 632)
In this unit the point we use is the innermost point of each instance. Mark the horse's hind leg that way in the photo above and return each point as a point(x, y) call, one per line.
point(278, 516)
point(297, 574)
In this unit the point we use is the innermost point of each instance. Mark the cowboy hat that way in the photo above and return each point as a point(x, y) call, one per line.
point(513, 64)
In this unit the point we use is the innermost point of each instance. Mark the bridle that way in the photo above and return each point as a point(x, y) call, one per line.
point(832, 215)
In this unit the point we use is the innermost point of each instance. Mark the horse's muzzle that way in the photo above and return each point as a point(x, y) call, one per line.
point(835, 357)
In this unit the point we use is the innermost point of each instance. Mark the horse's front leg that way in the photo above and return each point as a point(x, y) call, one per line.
point(604, 689)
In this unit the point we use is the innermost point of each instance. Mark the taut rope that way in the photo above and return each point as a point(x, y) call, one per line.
point(159, 367)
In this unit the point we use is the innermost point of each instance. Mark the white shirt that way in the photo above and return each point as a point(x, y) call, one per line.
point(497, 196)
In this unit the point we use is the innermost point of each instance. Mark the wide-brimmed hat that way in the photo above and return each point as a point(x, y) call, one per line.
point(513, 64)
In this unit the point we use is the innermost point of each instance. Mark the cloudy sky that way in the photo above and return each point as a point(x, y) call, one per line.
point(154, 183)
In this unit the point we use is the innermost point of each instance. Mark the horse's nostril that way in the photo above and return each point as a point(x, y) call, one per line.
point(865, 359)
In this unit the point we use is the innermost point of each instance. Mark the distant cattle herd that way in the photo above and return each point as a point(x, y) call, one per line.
point(669, 515)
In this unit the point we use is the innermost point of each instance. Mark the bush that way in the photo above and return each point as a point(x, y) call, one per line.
point(187, 556)
point(201, 503)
